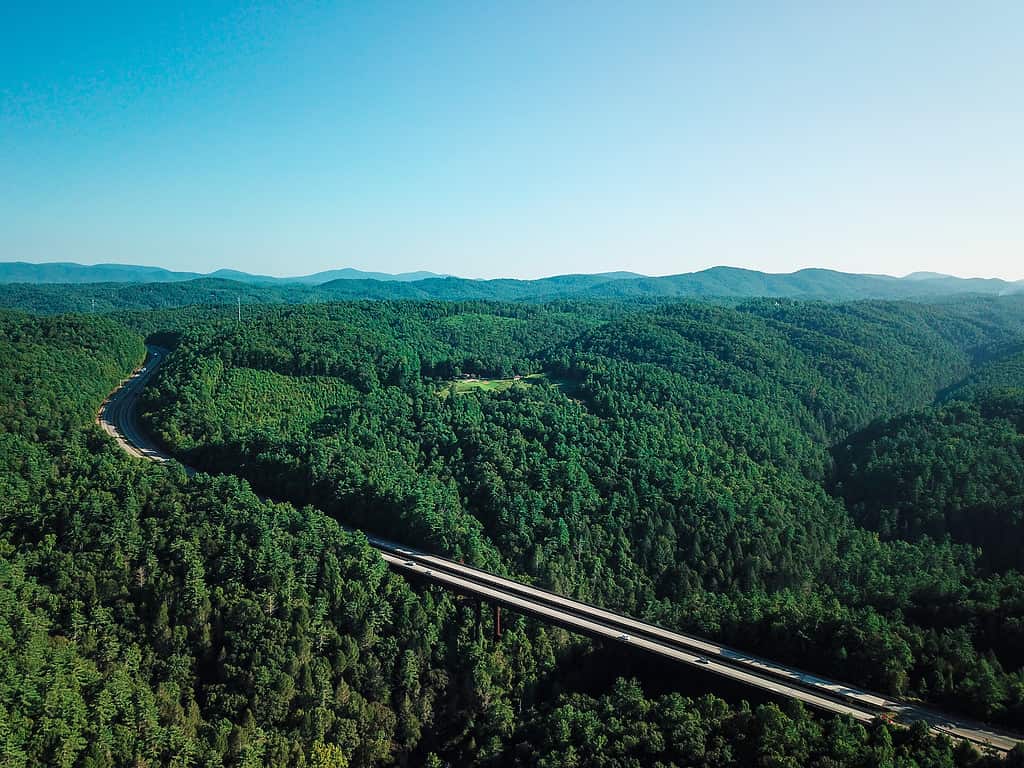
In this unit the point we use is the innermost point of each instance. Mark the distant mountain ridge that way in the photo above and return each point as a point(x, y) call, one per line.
point(152, 287)
point(70, 272)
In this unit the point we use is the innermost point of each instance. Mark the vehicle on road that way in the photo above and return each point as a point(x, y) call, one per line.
point(624, 638)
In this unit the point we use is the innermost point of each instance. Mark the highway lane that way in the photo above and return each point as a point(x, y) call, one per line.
point(764, 674)
point(604, 630)
point(118, 414)
point(118, 418)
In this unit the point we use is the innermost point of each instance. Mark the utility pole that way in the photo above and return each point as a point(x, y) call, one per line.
point(239, 310)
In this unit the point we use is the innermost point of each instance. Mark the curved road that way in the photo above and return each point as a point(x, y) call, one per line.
point(118, 418)
point(117, 415)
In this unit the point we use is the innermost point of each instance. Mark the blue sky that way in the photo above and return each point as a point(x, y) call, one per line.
point(515, 139)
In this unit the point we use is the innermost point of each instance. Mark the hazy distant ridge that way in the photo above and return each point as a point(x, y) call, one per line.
point(69, 272)
point(68, 287)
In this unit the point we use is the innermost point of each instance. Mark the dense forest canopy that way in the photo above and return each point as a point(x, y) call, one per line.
point(151, 619)
point(705, 466)
point(955, 471)
point(676, 465)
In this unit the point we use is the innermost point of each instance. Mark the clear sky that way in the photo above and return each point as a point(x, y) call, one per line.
point(515, 139)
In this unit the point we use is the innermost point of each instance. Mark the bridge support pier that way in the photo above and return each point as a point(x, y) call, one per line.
point(497, 622)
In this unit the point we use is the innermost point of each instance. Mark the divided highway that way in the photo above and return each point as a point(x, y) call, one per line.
point(117, 415)
point(118, 418)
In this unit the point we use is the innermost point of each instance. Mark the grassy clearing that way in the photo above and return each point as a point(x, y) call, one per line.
point(493, 385)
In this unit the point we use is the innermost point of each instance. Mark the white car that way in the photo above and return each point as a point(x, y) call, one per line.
point(624, 638)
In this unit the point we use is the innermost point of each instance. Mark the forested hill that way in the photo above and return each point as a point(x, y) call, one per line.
point(57, 369)
point(672, 462)
point(148, 618)
point(718, 282)
point(955, 471)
